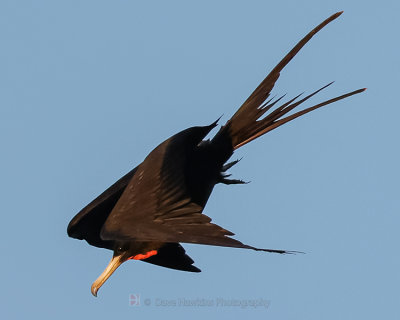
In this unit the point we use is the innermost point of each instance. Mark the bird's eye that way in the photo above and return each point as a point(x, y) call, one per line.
point(120, 249)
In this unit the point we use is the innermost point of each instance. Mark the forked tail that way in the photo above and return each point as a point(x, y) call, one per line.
point(248, 122)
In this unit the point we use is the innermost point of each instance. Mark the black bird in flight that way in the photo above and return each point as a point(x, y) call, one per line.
point(148, 212)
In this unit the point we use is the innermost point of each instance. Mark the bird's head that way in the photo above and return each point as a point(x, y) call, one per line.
point(123, 252)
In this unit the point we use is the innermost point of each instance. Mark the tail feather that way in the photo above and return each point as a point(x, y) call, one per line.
point(248, 122)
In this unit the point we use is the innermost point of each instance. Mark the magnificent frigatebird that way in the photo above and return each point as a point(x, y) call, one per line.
point(148, 212)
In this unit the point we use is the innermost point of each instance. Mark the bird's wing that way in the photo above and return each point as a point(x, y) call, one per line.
point(251, 120)
point(173, 255)
point(155, 206)
point(87, 223)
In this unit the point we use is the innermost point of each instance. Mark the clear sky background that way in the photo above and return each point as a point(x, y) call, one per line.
point(88, 88)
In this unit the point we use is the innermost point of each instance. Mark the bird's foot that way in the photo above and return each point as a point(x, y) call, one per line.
point(233, 181)
point(229, 165)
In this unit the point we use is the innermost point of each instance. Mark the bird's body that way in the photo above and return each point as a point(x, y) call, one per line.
point(147, 213)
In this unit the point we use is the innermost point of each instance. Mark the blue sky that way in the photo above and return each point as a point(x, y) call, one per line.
point(88, 88)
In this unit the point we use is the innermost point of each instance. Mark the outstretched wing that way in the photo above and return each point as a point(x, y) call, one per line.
point(87, 223)
point(156, 204)
point(252, 121)
point(173, 256)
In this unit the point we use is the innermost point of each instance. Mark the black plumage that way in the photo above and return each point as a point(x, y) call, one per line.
point(160, 203)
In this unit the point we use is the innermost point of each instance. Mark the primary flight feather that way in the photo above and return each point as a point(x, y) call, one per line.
point(159, 204)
